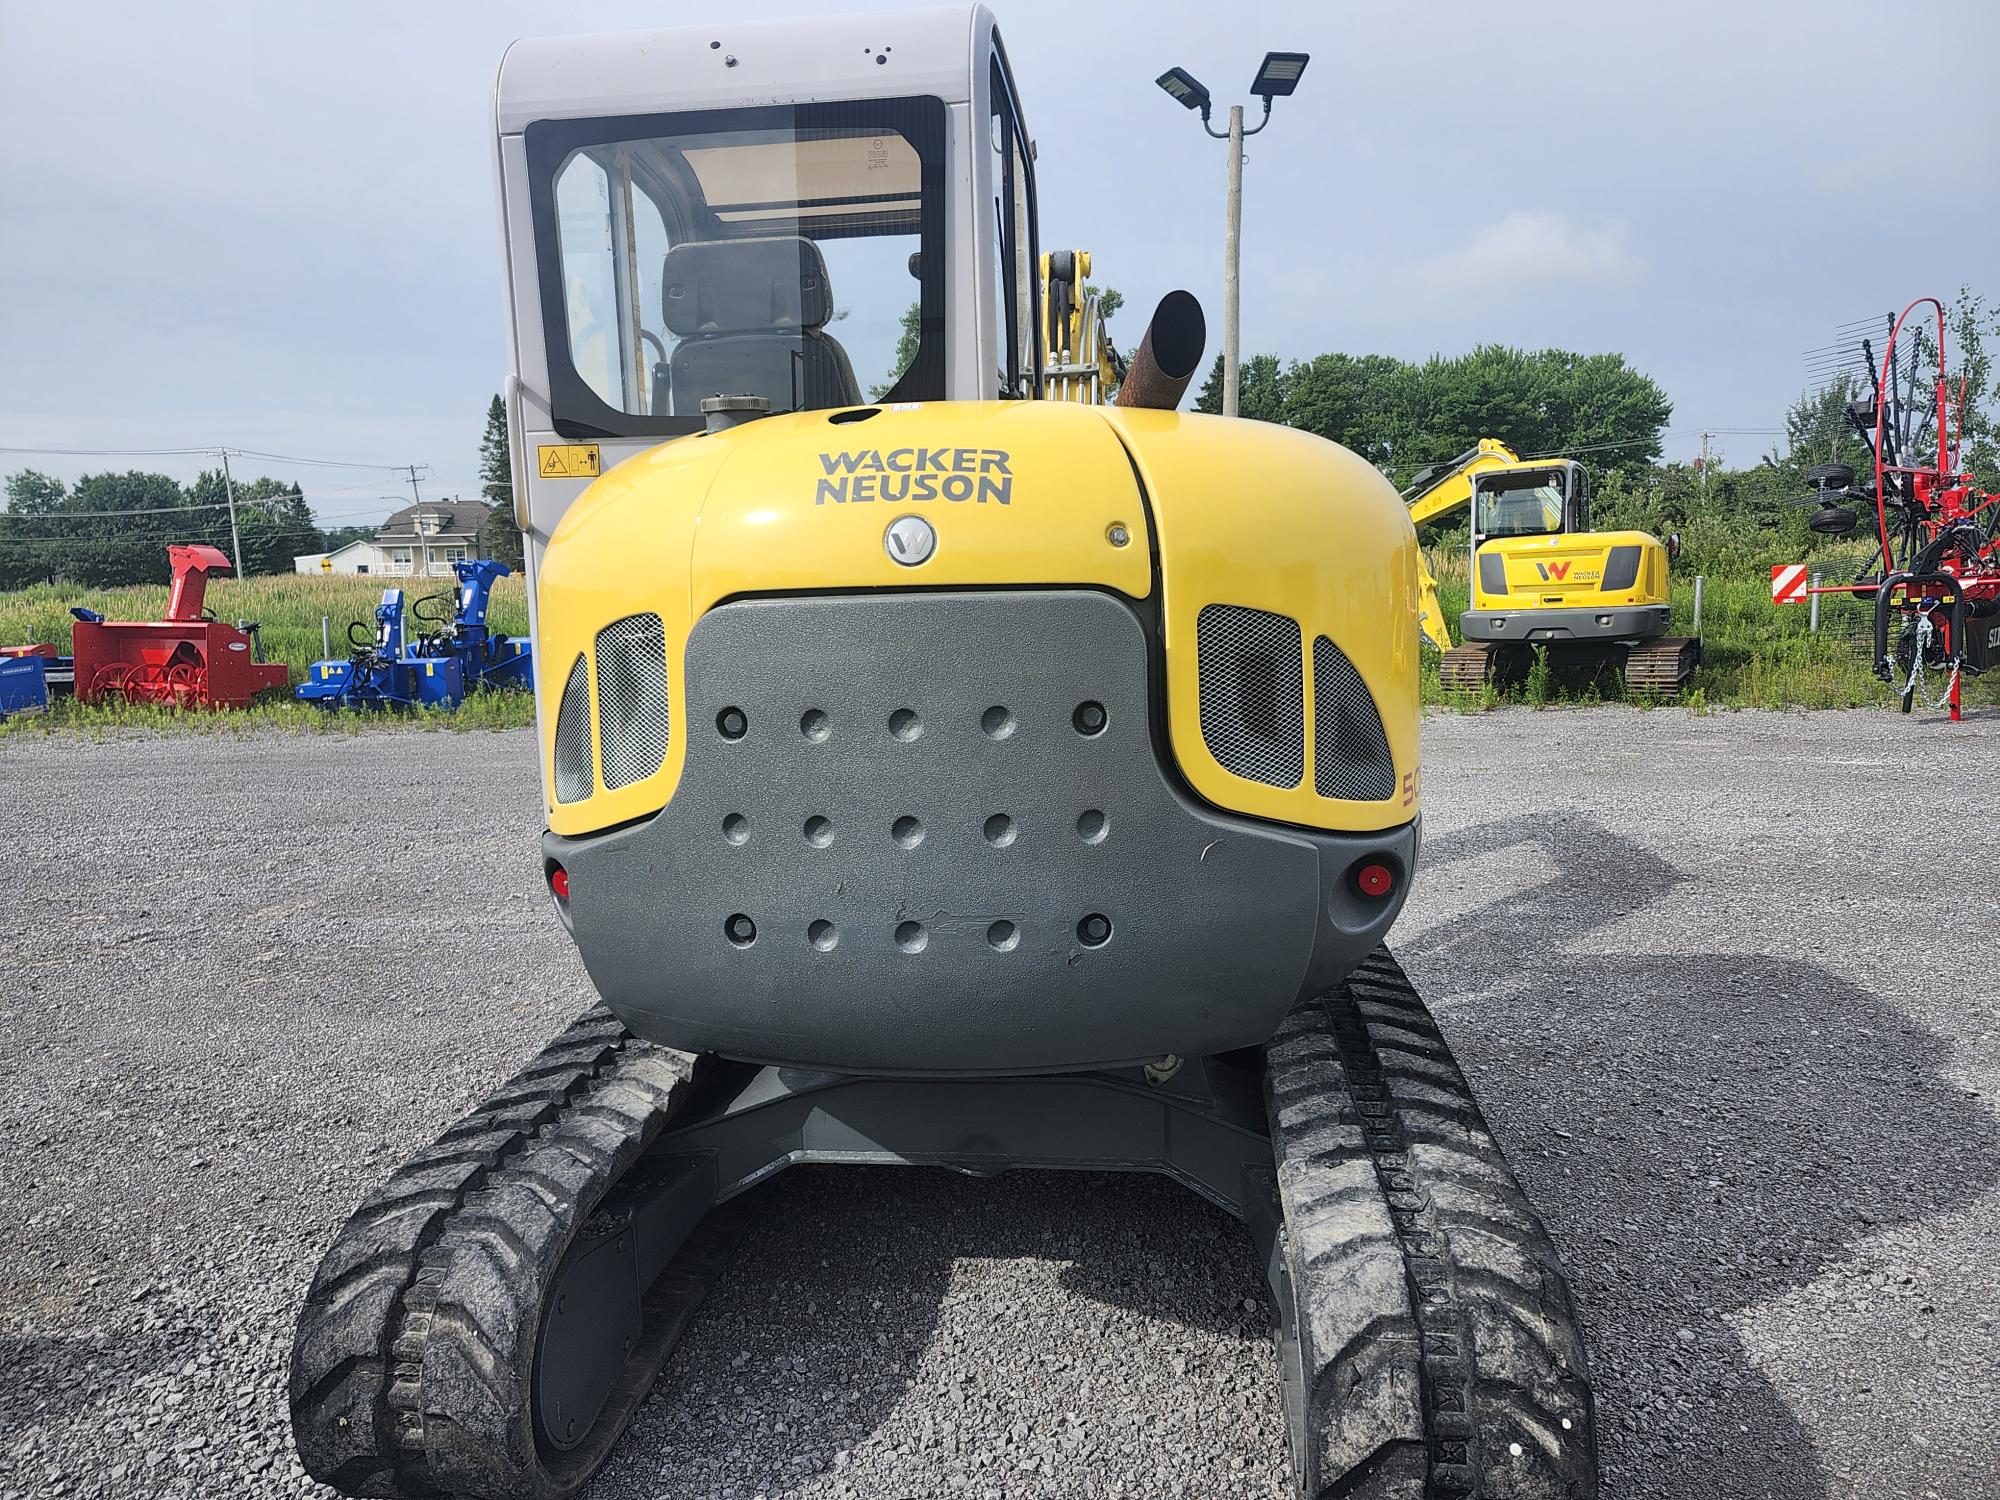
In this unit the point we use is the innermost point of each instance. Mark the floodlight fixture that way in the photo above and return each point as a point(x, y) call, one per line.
point(1184, 89)
point(1279, 75)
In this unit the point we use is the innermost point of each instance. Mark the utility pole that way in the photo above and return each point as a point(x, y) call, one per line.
point(1232, 269)
point(1704, 463)
point(235, 544)
point(1278, 76)
point(417, 518)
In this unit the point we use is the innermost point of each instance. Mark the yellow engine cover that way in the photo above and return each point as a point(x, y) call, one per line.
point(1550, 572)
point(1176, 512)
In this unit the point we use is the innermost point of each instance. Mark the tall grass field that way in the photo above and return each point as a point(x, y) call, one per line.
point(288, 607)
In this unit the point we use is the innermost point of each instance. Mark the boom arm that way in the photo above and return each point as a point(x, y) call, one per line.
point(1437, 492)
point(1444, 488)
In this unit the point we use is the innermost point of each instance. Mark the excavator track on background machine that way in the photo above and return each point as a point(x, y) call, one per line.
point(940, 767)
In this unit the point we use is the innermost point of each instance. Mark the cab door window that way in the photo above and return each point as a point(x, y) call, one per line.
point(1016, 280)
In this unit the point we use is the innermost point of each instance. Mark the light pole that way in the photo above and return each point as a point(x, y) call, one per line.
point(1278, 77)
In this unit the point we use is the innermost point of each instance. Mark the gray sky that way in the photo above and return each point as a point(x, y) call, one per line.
point(272, 226)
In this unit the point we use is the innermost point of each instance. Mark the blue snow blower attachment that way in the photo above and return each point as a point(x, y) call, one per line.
point(454, 652)
point(24, 680)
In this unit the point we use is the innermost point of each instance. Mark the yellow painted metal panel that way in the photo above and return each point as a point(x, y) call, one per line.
point(1020, 493)
point(1545, 572)
point(1270, 518)
point(622, 549)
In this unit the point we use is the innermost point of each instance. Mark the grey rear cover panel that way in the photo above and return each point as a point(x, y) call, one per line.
point(1217, 923)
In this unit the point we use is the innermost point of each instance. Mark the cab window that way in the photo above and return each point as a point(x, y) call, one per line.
point(1016, 277)
point(1519, 505)
point(792, 252)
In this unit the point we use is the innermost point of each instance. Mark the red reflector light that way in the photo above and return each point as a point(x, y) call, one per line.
point(559, 882)
point(1375, 880)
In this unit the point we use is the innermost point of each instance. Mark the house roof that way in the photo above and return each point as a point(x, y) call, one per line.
point(456, 518)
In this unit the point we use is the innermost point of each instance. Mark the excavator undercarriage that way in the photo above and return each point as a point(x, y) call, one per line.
point(1659, 669)
point(490, 1317)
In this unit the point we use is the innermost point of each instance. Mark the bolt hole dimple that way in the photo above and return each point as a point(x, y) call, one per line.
point(1090, 718)
point(905, 725)
point(736, 828)
point(1000, 831)
point(1004, 936)
point(815, 725)
point(823, 935)
point(1094, 931)
point(911, 937)
point(740, 930)
point(997, 722)
point(1092, 826)
point(819, 831)
point(907, 831)
point(732, 724)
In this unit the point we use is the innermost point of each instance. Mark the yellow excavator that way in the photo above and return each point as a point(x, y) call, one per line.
point(1540, 577)
point(974, 775)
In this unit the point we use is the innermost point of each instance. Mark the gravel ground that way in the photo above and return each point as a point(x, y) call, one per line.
point(1726, 1044)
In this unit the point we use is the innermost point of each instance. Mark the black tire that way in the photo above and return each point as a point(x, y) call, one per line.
point(1431, 1347)
point(1834, 520)
point(411, 1373)
point(1831, 476)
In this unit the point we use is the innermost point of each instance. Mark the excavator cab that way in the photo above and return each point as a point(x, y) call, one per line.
point(788, 222)
point(1528, 502)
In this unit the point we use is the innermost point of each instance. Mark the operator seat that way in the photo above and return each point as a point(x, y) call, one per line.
point(749, 315)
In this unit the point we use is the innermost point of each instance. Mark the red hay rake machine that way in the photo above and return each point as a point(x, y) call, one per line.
point(1938, 569)
point(190, 659)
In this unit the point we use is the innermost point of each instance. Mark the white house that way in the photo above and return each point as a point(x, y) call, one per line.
point(425, 540)
point(356, 557)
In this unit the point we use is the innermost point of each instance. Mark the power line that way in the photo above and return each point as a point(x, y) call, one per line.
point(212, 449)
point(161, 510)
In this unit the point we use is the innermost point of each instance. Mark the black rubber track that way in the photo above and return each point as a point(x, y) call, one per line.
point(415, 1349)
point(1431, 1347)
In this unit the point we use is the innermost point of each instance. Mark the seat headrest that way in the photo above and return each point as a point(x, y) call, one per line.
point(774, 283)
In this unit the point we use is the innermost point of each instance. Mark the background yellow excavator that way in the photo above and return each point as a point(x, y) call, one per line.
point(1541, 577)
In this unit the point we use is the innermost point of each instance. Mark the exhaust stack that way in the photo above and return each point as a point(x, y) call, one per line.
point(1167, 356)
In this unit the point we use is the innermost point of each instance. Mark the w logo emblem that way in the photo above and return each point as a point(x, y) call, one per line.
point(1553, 572)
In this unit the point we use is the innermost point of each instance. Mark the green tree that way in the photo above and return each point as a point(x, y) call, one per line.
point(34, 504)
point(1109, 300)
point(496, 459)
point(499, 537)
point(908, 339)
point(1404, 417)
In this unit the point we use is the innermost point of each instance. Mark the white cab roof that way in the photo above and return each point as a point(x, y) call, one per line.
point(725, 63)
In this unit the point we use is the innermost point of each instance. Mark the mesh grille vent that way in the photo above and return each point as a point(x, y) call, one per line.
point(1250, 681)
point(573, 780)
point(632, 718)
point(1351, 757)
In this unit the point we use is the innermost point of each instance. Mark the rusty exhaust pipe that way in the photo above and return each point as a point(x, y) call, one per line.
point(1167, 356)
